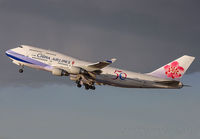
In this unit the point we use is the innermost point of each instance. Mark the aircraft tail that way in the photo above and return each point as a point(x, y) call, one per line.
point(175, 69)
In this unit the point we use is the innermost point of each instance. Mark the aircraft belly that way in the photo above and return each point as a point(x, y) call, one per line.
point(129, 83)
point(133, 83)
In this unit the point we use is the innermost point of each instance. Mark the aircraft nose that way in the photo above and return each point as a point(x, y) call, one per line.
point(7, 52)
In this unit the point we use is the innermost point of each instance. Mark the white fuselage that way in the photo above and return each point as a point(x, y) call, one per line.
point(45, 59)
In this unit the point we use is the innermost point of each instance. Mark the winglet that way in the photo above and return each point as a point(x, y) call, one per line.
point(111, 61)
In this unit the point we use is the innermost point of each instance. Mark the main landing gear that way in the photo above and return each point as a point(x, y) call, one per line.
point(92, 87)
point(87, 86)
point(79, 85)
point(78, 82)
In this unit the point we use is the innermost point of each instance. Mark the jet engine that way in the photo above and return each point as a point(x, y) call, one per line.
point(59, 72)
point(76, 70)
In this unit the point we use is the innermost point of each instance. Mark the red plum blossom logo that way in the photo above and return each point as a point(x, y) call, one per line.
point(174, 70)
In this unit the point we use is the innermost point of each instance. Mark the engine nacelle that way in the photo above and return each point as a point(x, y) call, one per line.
point(59, 72)
point(76, 70)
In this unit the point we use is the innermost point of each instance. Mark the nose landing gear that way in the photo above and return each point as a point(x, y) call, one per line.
point(21, 70)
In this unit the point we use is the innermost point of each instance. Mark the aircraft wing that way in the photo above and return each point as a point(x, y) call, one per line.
point(99, 65)
point(86, 72)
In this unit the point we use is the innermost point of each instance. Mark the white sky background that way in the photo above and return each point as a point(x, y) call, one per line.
point(143, 35)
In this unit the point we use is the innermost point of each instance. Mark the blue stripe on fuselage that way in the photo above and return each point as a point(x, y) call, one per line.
point(18, 59)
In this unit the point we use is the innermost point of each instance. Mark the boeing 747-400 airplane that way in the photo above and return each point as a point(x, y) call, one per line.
point(100, 73)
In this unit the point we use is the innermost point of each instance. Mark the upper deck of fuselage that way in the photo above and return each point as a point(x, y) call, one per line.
point(27, 51)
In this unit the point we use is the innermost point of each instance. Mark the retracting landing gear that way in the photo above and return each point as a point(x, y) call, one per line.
point(78, 82)
point(92, 87)
point(21, 70)
point(87, 85)
point(79, 85)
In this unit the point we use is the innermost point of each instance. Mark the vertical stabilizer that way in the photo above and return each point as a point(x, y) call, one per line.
point(175, 69)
